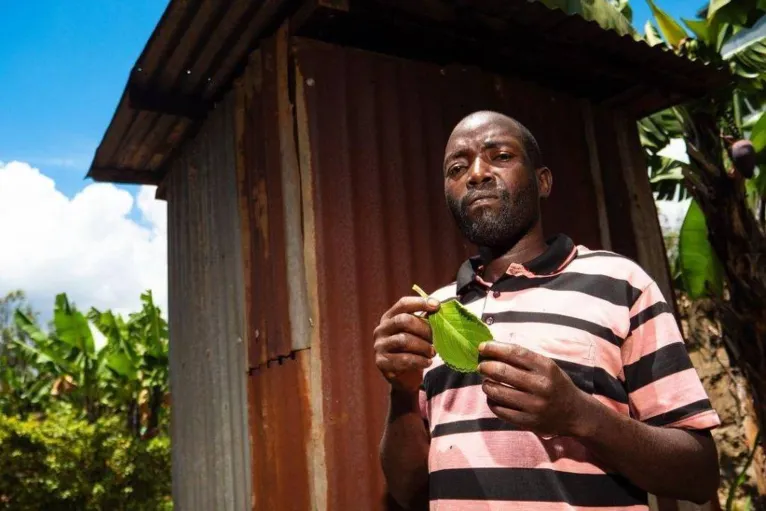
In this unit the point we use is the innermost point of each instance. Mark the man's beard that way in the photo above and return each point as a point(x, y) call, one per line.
point(497, 229)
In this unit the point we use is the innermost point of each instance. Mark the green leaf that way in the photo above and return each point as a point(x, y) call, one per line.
point(758, 134)
point(670, 29)
point(457, 334)
point(608, 15)
point(121, 364)
point(760, 183)
point(700, 268)
point(714, 6)
point(72, 326)
point(46, 354)
point(27, 325)
point(699, 28)
point(651, 34)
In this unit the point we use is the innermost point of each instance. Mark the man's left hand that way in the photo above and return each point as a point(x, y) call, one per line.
point(531, 391)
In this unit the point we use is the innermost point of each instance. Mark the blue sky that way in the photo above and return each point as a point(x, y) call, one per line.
point(63, 66)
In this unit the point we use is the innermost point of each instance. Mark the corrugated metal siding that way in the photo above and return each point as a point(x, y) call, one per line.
point(281, 410)
point(377, 128)
point(270, 193)
point(210, 446)
point(280, 423)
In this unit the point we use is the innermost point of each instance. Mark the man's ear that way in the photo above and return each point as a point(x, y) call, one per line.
point(544, 182)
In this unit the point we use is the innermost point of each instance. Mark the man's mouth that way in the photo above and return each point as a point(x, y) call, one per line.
point(482, 199)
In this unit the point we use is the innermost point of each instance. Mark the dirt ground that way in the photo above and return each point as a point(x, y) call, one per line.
point(726, 390)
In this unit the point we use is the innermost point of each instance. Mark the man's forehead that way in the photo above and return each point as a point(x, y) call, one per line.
point(485, 124)
point(482, 134)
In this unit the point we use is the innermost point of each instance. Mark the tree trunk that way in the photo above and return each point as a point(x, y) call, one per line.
point(740, 245)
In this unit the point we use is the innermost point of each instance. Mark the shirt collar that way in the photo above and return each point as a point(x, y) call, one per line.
point(561, 250)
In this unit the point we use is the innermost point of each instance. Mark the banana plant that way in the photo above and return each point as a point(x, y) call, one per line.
point(722, 243)
point(137, 358)
point(67, 362)
point(609, 14)
point(724, 37)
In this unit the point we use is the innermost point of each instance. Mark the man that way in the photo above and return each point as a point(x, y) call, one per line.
point(586, 398)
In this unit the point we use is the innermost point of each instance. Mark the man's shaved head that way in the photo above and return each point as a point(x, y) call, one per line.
point(482, 117)
point(494, 179)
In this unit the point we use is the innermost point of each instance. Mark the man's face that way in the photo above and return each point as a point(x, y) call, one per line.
point(490, 188)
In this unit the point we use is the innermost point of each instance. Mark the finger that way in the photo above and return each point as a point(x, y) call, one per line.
point(405, 323)
point(517, 356)
point(510, 375)
point(518, 418)
point(411, 305)
point(405, 343)
point(397, 363)
point(507, 397)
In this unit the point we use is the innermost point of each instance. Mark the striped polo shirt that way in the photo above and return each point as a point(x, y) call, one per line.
point(604, 321)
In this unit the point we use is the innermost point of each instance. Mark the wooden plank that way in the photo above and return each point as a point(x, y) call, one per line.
point(595, 167)
point(650, 245)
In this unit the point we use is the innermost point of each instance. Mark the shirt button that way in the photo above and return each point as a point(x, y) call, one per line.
point(496, 294)
point(489, 320)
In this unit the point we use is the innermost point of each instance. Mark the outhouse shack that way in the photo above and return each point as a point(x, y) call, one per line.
point(298, 144)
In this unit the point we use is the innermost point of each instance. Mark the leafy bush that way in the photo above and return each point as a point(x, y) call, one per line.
point(61, 462)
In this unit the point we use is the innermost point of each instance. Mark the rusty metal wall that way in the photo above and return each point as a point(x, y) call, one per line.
point(375, 132)
point(275, 285)
point(210, 445)
point(279, 425)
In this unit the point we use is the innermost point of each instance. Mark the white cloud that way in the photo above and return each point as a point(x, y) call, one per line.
point(86, 246)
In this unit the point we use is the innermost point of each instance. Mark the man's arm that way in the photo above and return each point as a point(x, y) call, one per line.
point(402, 351)
point(532, 392)
point(404, 451)
point(663, 461)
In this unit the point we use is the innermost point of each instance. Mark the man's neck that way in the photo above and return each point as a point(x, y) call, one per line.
point(527, 248)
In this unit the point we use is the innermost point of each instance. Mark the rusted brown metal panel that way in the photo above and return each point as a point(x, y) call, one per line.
point(262, 159)
point(280, 429)
point(210, 448)
point(376, 128)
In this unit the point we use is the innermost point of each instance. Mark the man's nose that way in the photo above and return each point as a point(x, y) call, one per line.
point(480, 173)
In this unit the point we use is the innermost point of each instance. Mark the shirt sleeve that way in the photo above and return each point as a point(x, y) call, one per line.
point(663, 386)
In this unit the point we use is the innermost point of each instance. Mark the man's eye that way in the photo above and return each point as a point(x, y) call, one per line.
point(504, 157)
point(455, 169)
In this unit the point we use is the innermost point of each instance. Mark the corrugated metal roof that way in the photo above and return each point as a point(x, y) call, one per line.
point(199, 46)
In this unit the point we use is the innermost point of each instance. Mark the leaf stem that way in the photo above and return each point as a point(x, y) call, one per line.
point(419, 291)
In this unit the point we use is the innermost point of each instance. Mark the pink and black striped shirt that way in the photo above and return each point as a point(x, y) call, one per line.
point(605, 322)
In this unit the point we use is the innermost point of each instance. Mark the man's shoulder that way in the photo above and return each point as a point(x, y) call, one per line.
point(610, 264)
point(445, 292)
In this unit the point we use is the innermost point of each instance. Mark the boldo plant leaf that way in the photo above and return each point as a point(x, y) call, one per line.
point(457, 334)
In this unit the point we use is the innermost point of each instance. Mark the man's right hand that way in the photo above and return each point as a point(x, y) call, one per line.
point(403, 346)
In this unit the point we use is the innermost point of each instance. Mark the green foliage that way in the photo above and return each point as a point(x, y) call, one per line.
point(60, 462)
point(720, 27)
point(610, 14)
point(83, 423)
point(127, 375)
point(457, 334)
point(700, 268)
point(673, 33)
